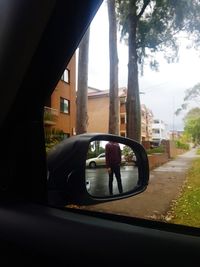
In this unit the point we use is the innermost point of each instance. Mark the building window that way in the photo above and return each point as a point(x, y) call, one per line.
point(64, 105)
point(66, 76)
point(156, 131)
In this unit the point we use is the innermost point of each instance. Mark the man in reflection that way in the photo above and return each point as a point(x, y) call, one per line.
point(113, 161)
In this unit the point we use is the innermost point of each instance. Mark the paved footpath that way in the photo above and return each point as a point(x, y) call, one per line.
point(164, 186)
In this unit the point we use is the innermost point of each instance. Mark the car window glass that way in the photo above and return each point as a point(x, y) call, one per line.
point(168, 116)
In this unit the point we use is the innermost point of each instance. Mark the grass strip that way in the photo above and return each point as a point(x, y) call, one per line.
point(186, 209)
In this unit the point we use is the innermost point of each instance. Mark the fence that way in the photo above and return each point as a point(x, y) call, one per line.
point(157, 159)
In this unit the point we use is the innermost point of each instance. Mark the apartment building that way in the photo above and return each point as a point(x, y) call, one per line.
point(122, 111)
point(98, 113)
point(60, 108)
point(98, 108)
point(146, 123)
point(159, 130)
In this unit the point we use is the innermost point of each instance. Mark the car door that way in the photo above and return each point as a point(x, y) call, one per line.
point(101, 160)
point(35, 48)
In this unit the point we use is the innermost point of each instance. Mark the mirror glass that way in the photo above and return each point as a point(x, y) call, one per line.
point(111, 169)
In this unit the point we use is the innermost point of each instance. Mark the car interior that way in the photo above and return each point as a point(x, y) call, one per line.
point(38, 39)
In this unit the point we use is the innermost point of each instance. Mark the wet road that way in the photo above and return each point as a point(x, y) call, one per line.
point(98, 178)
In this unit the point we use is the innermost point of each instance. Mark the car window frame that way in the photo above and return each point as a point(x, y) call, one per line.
point(35, 154)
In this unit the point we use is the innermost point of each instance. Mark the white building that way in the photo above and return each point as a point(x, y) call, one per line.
point(159, 131)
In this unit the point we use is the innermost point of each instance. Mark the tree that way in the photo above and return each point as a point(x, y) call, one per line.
point(149, 26)
point(192, 125)
point(191, 94)
point(192, 114)
point(82, 90)
point(114, 98)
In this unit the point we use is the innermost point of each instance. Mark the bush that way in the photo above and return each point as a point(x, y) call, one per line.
point(91, 154)
point(159, 149)
point(182, 145)
point(198, 151)
point(128, 153)
point(53, 137)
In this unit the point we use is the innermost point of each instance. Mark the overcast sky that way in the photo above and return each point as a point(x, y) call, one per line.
point(162, 91)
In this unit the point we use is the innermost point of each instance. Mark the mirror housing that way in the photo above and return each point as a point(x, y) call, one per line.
point(66, 164)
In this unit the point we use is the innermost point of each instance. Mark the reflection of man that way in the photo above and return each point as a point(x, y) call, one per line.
point(113, 161)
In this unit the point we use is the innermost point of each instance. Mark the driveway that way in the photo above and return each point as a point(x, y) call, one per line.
point(164, 186)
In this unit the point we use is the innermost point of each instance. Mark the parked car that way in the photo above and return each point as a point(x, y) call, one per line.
point(100, 160)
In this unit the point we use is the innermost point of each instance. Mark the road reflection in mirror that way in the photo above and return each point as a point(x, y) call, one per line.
point(111, 169)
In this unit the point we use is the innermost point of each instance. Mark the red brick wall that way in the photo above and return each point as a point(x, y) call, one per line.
point(171, 149)
point(146, 144)
point(157, 159)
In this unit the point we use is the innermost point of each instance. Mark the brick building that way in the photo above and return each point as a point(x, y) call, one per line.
point(60, 108)
point(98, 113)
point(146, 123)
point(98, 107)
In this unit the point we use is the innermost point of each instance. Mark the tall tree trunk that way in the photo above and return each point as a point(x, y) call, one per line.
point(114, 98)
point(82, 90)
point(133, 126)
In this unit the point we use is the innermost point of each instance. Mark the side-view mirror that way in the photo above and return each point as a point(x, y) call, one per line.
point(93, 168)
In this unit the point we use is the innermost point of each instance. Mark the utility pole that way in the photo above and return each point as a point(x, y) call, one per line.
point(173, 118)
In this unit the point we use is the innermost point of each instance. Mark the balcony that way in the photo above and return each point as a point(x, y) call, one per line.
point(50, 116)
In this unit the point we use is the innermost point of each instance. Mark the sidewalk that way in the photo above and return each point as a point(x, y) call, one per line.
point(164, 186)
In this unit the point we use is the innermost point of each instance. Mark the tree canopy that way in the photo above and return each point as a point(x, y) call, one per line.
point(192, 125)
point(191, 94)
point(149, 26)
point(158, 23)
